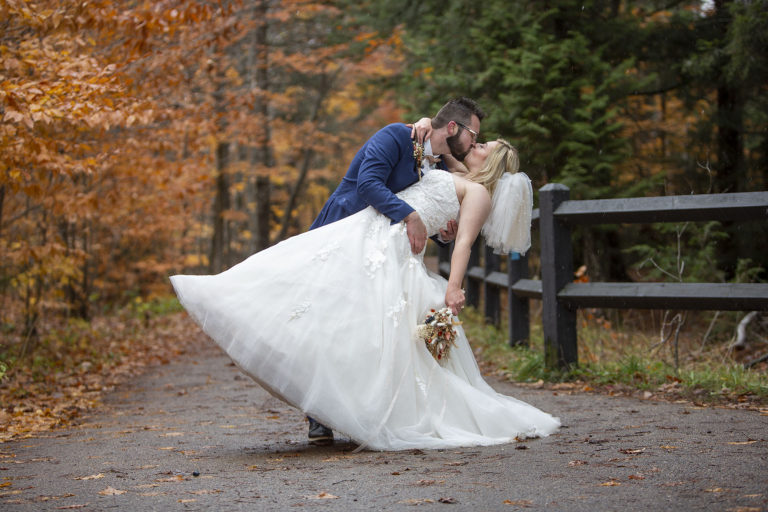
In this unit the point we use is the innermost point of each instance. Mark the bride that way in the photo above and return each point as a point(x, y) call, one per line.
point(327, 320)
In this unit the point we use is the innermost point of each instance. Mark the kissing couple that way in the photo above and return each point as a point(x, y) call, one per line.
point(328, 320)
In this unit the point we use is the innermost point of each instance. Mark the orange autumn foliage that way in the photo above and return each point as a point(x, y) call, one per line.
point(113, 115)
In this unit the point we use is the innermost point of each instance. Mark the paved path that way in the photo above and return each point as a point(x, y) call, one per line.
point(197, 435)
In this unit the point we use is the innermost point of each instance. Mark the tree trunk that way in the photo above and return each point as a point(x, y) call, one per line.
point(729, 176)
point(219, 253)
point(263, 152)
point(83, 310)
point(263, 213)
point(295, 191)
point(322, 93)
point(2, 200)
point(730, 146)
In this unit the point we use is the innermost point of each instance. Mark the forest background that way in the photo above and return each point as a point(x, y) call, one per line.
point(145, 138)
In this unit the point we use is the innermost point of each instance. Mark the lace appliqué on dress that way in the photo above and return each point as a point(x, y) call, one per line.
point(299, 310)
point(394, 311)
point(376, 224)
point(375, 254)
point(322, 254)
point(374, 258)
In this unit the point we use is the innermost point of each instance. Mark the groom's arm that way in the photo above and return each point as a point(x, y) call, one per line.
point(385, 151)
point(389, 151)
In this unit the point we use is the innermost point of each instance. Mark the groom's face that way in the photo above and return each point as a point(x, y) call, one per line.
point(461, 142)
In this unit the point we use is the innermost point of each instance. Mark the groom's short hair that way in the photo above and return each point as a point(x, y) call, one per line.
point(458, 109)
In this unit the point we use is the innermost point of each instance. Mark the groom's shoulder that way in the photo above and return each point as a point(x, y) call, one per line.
point(397, 128)
point(398, 132)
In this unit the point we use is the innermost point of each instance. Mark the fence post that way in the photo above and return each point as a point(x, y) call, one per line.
point(491, 292)
point(472, 294)
point(519, 322)
point(558, 321)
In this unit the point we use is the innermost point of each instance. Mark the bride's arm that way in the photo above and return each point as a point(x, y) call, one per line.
point(475, 207)
point(421, 129)
point(453, 165)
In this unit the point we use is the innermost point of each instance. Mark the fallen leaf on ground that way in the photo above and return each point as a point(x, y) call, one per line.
point(176, 478)
point(111, 491)
point(48, 498)
point(518, 503)
point(71, 507)
point(90, 477)
point(611, 483)
point(633, 451)
point(80, 385)
point(577, 463)
point(449, 501)
point(668, 447)
point(742, 442)
point(322, 496)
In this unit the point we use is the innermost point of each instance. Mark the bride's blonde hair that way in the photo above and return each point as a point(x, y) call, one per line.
point(502, 159)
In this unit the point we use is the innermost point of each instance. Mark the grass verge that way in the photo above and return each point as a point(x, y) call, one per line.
point(623, 363)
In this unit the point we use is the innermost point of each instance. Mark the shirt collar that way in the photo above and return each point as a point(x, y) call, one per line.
point(428, 148)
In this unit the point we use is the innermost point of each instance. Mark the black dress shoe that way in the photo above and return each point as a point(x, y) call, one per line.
point(319, 434)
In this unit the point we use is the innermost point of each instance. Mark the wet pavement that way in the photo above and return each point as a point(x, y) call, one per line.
point(196, 434)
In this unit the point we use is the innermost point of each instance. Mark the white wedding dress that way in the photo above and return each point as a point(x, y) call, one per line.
point(327, 320)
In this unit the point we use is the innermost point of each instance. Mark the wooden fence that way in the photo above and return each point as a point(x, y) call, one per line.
point(561, 297)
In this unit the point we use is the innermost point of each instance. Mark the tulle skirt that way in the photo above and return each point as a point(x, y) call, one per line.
point(327, 321)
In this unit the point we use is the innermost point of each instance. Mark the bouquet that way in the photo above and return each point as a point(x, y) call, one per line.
point(439, 332)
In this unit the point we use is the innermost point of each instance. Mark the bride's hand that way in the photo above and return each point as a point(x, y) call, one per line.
point(449, 233)
point(454, 299)
point(421, 130)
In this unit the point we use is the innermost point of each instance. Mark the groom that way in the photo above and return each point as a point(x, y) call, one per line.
point(386, 165)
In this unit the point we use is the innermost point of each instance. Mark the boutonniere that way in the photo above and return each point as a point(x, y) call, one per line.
point(418, 155)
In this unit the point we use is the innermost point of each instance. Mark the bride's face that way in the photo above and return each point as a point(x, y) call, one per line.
point(476, 157)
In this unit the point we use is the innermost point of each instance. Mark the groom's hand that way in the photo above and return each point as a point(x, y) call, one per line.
point(449, 233)
point(417, 232)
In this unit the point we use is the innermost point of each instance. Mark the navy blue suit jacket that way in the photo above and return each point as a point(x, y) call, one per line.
point(381, 168)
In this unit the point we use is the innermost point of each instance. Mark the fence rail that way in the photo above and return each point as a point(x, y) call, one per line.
point(561, 298)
